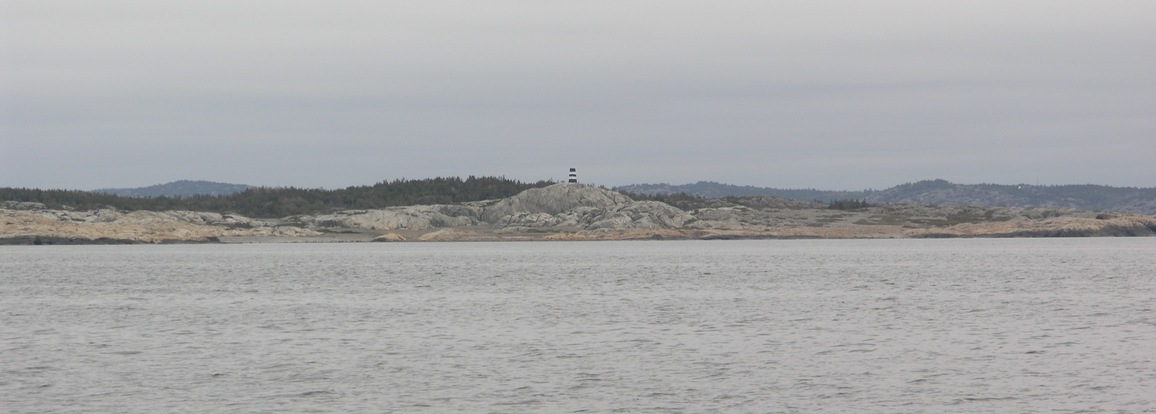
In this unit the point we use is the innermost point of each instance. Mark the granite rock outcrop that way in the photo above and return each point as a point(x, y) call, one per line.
point(393, 218)
point(563, 206)
point(113, 226)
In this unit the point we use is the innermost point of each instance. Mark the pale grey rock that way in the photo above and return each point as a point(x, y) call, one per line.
point(563, 206)
point(580, 217)
point(395, 218)
point(447, 234)
point(139, 226)
point(657, 214)
point(23, 205)
point(722, 214)
point(105, 215)
point(196, 217)
point(389, 237)
point(533, 220)
point(611, 221)
point(579, 206)
point(727, 217)
point(641, 215)
point(554, 200)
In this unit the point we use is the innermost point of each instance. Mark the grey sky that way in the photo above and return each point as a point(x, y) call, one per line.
point(823, 94)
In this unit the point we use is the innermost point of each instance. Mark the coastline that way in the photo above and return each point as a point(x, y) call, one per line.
point(467, 234)
point(565, 212)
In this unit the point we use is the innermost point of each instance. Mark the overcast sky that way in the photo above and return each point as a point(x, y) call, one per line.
point(842, 94)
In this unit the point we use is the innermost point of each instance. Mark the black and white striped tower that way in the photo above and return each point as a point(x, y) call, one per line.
point(573, 175)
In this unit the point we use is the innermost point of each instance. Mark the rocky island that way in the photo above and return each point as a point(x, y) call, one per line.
point(565, 211)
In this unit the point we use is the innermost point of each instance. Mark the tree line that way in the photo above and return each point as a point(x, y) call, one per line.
point(272, 202)
point(848, 204)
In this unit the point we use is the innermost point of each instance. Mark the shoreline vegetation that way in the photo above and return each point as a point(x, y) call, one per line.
point(468, 210)
point(275, 202)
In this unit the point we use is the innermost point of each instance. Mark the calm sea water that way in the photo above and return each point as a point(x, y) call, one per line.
point(1019, 325)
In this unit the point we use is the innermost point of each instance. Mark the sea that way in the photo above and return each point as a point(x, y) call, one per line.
point(754, 326)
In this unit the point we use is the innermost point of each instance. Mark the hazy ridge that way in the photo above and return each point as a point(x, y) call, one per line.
point(180, 188)
point(940, 192)
point(932, 192)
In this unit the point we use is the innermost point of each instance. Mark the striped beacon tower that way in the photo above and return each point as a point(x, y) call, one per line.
point(573, 175)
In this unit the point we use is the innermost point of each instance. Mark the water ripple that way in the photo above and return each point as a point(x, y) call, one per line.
point(799, 326)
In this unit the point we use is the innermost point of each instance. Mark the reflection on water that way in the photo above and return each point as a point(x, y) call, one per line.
point(736, 326)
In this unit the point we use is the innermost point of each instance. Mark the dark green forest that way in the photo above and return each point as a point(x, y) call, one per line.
point(274, 202)
point(848, 204)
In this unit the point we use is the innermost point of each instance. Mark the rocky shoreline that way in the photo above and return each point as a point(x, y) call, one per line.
point(564, 212)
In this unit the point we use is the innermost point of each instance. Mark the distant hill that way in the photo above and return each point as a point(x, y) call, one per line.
point(710, 189)
point(182, 188)
point(1085, 196)
point(941, 192)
